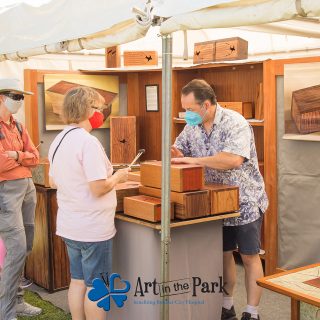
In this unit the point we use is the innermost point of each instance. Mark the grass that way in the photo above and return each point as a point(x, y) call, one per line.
point(49, 311)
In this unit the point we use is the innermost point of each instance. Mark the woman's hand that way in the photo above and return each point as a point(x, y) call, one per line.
point(122, 175)
point(176, 153)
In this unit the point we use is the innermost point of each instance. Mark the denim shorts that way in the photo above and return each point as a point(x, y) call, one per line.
point(247, 238)
point(89, 260)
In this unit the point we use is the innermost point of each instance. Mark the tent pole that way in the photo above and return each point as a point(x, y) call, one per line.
point(166, 160)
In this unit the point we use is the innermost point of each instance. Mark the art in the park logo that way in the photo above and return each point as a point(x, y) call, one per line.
point(114, 288)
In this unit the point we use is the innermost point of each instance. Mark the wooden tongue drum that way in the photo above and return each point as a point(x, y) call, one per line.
point(189, 196)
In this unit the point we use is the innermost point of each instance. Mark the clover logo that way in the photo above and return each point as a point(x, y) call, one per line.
point(105, 289)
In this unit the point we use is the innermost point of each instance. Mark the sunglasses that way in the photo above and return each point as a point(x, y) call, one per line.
point(14, 96)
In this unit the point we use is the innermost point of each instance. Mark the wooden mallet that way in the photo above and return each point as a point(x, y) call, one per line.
point(140, 152)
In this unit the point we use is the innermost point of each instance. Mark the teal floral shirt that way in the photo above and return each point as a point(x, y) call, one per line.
point(233, 134)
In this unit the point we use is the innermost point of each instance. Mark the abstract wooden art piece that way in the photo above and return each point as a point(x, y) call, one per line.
point(302, 101)
point(122, 139)
point(57, 85)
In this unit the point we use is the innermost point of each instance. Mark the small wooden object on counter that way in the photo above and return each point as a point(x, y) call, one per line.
point(224, 198)
point(144, 207)
point(204, 52)
point(244, 108)
point(134, 176)
point(140, 58)
point(122, 139)
point(305, 109)
point(187, 205)
point(40, 174)
point(231, 49)
point(184, 177)
point(126, 189)
point(113, 57)
point(258, 112)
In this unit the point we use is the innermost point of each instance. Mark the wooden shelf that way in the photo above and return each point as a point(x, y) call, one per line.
point(253, 123)
point(176, 223)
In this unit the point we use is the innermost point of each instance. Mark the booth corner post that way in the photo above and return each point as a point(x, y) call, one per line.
point(166, 163)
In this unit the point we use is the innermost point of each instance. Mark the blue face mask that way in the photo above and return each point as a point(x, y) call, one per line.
point(193, 118)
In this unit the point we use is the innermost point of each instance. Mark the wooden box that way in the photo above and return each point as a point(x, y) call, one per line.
point(187, 205)
point(134, 176)
point(140, 58)
point(184, 177)
point(204, 52)
point(40, 174)
point(126, 189)
point(305, 109)
point(244, 108)
point(144, 207)
point(122, 139)
point(223, 198)
point(113, 57)
point(231, 49)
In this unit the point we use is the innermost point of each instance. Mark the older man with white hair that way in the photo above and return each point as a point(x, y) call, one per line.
point(17, 199)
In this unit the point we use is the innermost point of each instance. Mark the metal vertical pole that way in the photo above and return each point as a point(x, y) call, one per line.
point(166, 160)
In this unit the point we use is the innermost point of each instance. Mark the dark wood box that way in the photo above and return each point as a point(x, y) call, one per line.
point(187, 205)
point(48, 263)
point(305, 109)
point(231, 49)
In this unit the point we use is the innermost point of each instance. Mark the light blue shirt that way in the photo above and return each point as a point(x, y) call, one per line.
point(233, 134)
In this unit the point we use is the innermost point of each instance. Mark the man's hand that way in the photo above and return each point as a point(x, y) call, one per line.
point(187, 160)
point(176, 153)
point(12, 154)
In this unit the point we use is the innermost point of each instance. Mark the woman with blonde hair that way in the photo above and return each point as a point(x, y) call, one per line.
point(82, 174)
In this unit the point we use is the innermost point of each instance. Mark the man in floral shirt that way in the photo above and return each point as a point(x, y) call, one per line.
point(223, 141)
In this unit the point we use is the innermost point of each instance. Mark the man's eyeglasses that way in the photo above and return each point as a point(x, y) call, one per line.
point(14, 96)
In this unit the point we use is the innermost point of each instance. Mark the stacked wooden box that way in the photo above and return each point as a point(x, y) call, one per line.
point(220, 50)
point(190, 198)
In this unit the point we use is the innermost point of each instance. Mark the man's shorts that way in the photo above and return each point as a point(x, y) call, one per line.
point(245, 238)
point(89, 260)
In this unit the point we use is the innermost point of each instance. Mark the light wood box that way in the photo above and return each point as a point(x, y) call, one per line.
point(140, 58)
point(204, 52)
point(122, 139)
point(223, 198)
point(244, 108)
point(145, 207)
point(231, 49)
point(113, 57)
point(126, 189)
point(40, 174)
point(305, 109)
point(134, 176)
point(184, 177)
point(187, 205)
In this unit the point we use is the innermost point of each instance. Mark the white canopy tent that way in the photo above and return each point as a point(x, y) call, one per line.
point(71, 25)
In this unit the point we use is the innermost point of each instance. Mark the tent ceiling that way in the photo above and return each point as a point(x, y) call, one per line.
point(73, 25)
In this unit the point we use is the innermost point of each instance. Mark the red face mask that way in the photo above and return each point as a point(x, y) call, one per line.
point(96, 120)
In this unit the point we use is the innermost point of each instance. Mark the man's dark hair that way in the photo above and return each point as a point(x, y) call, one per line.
point(201, 90)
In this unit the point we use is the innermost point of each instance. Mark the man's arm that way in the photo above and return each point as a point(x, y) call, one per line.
point(7, 160)
point(220, 161)
point(29, 157)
